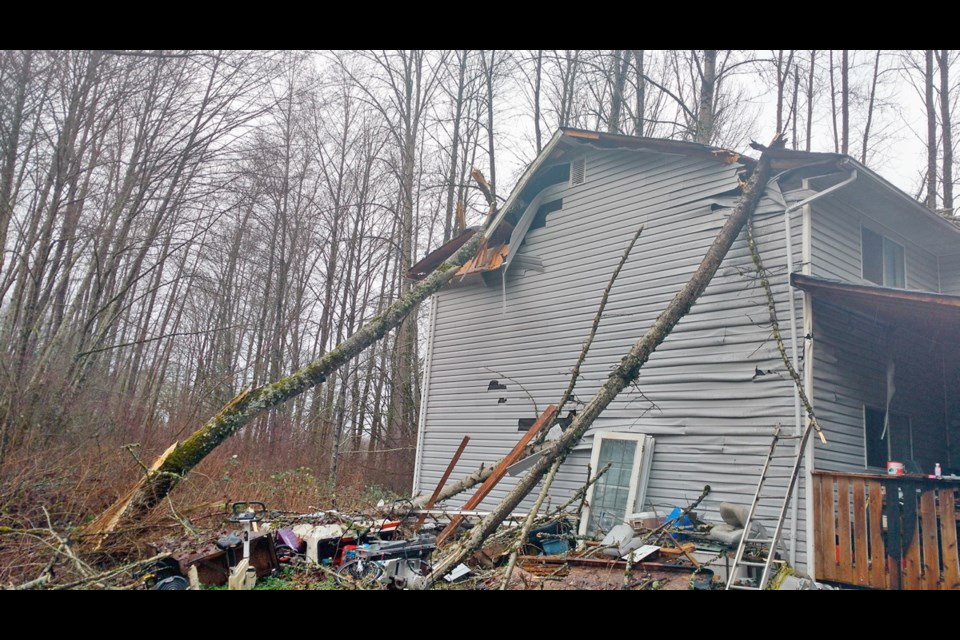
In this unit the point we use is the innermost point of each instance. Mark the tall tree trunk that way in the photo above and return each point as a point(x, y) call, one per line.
point(537, 82)
point(946, 127)
point(928, 83)
point(833, 106)
point(794, 116)
point(873, 94)
point(845, 101)
point(10, 148)
point(708, 85)
point(810, 84)
point(638, 117)
point(489, 71)
point(783, 75)
point(448, 226)
point(620, 61)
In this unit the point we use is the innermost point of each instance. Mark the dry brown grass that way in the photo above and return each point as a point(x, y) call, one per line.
point(62, 486)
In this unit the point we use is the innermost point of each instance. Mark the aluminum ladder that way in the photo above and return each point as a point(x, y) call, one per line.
point(769, 496)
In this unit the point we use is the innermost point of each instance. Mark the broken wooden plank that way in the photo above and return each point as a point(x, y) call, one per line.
point(878, 555)
point(602, 562)
point(948, 532)
point(843, 531)
point(466, 513)
point(861, 566)
point(545, 418)
point(443, 480)
point(931, 550)
point(911, 530)
point(818, 544)
point(679, 550)
point(827, 528)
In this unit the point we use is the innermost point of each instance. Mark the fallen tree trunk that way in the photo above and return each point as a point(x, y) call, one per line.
point(170, 468)
point(624, 374)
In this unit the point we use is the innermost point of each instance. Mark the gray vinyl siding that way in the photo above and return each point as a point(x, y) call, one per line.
point(836, 247)
point(848, 371)
point(950, 274)
point(700, 397)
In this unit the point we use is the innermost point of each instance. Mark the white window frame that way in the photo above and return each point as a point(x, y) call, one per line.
point(638, 455)
point(884, 238)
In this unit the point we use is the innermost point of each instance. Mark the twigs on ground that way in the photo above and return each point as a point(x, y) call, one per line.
point(112, 573)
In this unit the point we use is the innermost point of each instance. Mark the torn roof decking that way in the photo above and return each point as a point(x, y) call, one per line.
point(935, 315)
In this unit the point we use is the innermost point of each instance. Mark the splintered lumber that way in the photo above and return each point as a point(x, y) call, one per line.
point(167, 471)
point(610, 563)
point(443, 480)
point(627, 371)
point(515, 454)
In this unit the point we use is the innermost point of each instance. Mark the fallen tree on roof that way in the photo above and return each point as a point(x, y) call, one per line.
point(626, 372)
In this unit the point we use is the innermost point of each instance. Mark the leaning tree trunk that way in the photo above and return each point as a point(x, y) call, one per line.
point(169, 469)
point(624, 374)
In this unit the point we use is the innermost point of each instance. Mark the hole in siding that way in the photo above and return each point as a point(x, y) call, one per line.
point(566, 421)
point(554, 175)
point(540, 219)
point(501, 400)
point(524, 424)
point(496, 386)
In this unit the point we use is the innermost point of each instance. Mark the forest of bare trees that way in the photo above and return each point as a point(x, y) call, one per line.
point(178, 225)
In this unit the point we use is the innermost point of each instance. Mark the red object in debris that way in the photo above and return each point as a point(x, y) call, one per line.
point(344, 555)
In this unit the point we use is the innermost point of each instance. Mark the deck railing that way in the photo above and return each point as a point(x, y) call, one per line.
point(886, 532)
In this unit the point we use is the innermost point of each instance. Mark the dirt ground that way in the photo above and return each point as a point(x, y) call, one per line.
point(598, 579)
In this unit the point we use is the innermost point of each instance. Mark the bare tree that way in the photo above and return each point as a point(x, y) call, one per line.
point(946, 128)
point(931, 108)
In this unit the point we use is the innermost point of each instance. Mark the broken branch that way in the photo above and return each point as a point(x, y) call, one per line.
point(775, 329)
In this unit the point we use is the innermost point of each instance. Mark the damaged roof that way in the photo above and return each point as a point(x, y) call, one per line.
point(564, 144)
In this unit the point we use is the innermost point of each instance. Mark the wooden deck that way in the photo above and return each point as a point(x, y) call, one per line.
point(886, 532)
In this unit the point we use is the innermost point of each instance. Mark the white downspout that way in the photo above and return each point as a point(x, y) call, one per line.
point(808, 355)
point(794, 354)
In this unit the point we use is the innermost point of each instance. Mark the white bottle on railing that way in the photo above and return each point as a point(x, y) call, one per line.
point(937, 471)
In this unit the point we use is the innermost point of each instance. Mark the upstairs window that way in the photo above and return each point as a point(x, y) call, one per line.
point(882, 260)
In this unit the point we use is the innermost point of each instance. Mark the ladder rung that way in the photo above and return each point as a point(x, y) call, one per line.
point(750, 563)
point(760, 540)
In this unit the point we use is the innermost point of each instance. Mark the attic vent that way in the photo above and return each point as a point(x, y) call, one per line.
point(578, 171)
